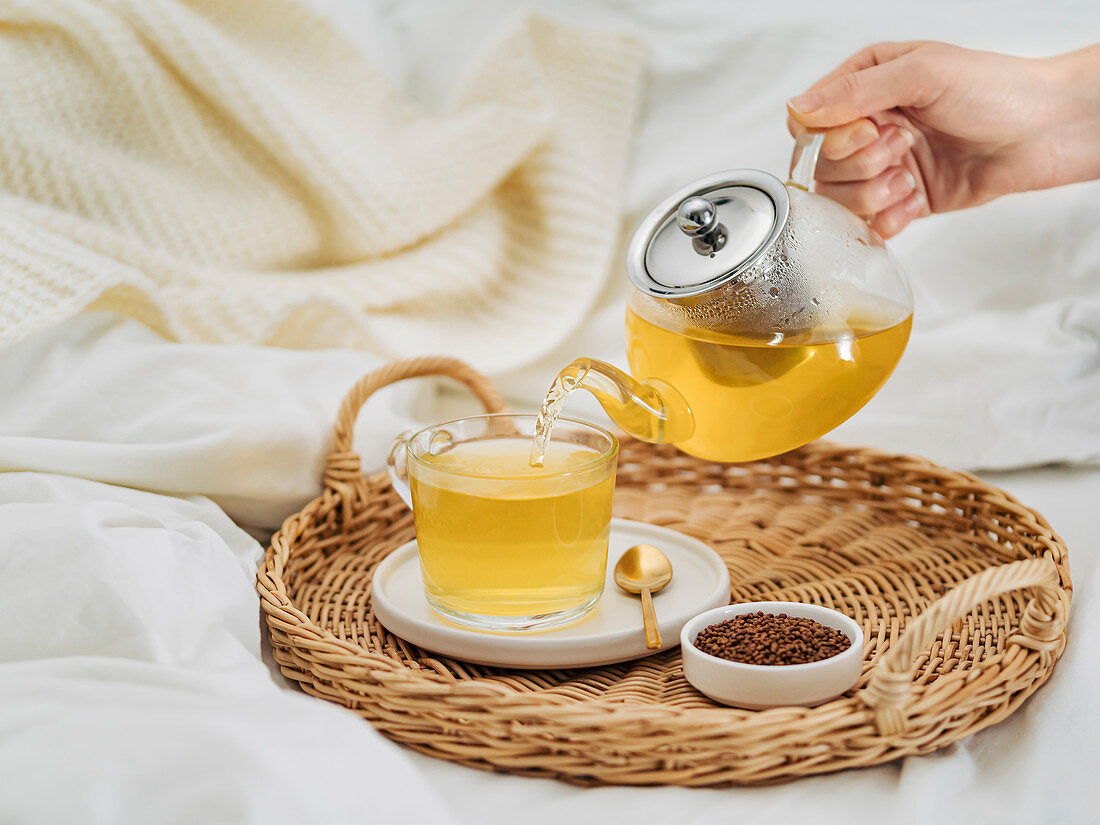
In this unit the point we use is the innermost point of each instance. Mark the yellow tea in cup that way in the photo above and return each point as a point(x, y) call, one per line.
point(504, 545)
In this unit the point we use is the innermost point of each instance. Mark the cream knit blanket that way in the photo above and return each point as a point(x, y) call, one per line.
point(236, 171)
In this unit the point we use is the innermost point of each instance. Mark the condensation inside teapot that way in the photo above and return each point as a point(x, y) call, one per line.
point(827, 272)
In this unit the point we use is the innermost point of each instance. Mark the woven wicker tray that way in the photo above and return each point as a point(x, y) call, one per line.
point(962, 592)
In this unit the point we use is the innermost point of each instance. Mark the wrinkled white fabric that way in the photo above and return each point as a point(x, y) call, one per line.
point(102, 397)
point(129, 664)
point(132, 688)
point(1003, 368)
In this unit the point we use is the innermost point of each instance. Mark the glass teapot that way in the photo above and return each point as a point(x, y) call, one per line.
point(763, 316)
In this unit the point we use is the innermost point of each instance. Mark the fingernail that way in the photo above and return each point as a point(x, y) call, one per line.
point(908, 137)
point(903, 184)
point(914, 203)
point(863, 136)
point(804, 103)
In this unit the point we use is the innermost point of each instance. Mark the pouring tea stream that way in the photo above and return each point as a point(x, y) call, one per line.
point(763, 316)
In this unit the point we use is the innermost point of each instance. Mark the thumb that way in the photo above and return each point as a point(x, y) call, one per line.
point(899, 82)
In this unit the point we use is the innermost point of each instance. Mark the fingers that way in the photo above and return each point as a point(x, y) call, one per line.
point(892, 220)
point(854, 95)
point(890, 201)
point(865, 58)
point(863, 163)
point(874, 196)
point(871, 160)
point(842, 141)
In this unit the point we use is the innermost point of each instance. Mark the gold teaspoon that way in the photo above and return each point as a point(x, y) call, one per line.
point(644, 569)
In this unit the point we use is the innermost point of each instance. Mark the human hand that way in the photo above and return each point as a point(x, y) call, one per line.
point(922, 127)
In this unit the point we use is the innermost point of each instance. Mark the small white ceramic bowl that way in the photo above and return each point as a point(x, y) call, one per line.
point(767, 686)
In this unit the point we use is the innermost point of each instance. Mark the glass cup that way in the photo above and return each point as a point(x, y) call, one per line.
point(503, 545)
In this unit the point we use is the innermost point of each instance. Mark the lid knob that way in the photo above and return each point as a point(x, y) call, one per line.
point(731, 217)
point(698, 219)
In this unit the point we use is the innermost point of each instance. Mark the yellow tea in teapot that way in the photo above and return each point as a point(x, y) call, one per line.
point(751, 398)
point(498, 537)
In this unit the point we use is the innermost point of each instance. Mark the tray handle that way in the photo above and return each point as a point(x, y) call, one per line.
point(343, 470)
point(1042, 626)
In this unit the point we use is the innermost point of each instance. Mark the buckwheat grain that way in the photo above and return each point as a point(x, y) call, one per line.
point(771, 639)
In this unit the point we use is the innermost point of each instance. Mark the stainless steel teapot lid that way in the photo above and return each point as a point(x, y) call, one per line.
point(707, 233)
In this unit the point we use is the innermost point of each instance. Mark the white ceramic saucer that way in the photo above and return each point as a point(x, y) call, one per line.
point(612, 632)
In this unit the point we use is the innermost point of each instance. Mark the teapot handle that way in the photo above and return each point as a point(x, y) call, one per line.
point(804, 158)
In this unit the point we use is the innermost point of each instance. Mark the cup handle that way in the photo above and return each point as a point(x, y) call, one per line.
point(398, 468)
point(343, 474)
point(807, 148)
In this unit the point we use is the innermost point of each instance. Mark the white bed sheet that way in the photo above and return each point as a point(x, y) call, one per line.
point(1003, 368)
point(132, 683)
point(132, 688)
point(131, 664)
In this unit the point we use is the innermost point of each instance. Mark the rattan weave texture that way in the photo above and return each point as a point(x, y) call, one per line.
point(962, 592)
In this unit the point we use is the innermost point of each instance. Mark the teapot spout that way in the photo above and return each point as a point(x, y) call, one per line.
point(651, 410)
